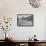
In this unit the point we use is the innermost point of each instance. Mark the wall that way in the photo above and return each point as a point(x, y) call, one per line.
point(10, 8)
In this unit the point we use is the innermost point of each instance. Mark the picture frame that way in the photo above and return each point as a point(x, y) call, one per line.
point(24, 19)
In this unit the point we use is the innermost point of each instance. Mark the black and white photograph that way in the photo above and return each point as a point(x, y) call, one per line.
point(24, 19)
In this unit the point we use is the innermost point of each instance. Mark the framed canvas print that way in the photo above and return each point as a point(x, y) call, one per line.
point(24, 19)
